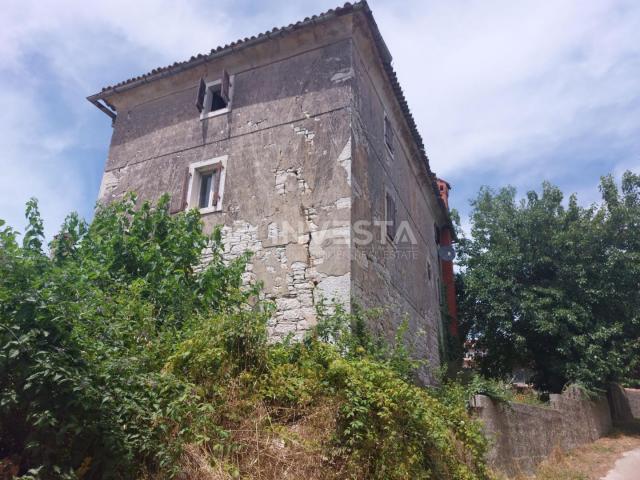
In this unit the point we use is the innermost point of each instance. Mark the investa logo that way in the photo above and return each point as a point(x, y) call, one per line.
point(361, 233)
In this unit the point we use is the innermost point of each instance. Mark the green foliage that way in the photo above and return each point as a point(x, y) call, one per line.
point(554, 287)
point(387, 427)
point(469, 384)
point(119, 348)
point(393, 429)
point(84, 334)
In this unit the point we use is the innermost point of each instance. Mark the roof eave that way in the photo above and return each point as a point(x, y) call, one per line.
point(219, 52)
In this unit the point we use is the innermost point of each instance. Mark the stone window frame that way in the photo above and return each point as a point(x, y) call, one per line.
point(206, 113)
point(196, 170)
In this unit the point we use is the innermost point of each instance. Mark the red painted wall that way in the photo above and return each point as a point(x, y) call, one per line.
point(448, 279)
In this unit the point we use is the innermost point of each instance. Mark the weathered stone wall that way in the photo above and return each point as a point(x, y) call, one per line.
point(386, 274)
point(522, 435)
point(305, 162)
point(625, 406)
point(287, 189)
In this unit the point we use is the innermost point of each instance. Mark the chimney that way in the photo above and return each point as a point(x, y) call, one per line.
point(444, 187)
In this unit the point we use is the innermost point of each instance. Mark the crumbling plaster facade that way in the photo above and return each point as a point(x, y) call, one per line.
point(305, 160)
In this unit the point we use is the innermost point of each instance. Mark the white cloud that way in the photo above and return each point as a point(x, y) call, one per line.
point(493, 85)
point(494, 80)
point(52, 55)
point(28, 161)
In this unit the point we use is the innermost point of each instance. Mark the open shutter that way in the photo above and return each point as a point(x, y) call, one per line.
point(224, 87)
point(202, 90)
point(217, 175)
point(179, 200)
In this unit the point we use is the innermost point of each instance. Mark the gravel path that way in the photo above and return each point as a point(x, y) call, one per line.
point(627, 467)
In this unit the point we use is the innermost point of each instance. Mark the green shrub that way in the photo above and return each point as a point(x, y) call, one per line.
point(393, 429)
point(86, 330)
point(118, 349)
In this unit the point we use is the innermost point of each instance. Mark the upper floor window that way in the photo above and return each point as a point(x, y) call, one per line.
point(214, 98)
point(390, 216)
point(388, 134)
point(206, 185)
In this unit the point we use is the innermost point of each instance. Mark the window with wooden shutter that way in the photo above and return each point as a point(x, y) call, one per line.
point(388, 134)
point(390, 216)
point(206, 186)
point(214, 98)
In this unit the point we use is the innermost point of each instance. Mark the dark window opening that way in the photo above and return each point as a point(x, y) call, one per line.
point(388, 134)
point(217, 102)
point(436, 232)
point(206, 180)
point(429, 270)
point(391, 217)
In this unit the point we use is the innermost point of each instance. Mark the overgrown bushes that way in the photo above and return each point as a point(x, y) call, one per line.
point(120, 354)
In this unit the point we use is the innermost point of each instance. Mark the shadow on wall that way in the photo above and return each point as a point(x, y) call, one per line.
point(625, 407)
point(524, 435)
point(280, 87)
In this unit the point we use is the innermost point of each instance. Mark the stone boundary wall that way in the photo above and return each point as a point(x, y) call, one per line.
point(625, 406)
point(524, 435)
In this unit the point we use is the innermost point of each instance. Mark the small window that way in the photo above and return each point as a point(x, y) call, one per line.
point(388, 134)
point(390, 216)
point(436, 233)
point(214, 98)
point(206, 185)
point(429, 270)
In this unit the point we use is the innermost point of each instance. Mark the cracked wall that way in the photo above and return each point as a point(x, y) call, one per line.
point(306, 160)
point(287, 188)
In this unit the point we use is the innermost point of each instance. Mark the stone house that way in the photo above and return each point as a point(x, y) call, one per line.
point(300, 144)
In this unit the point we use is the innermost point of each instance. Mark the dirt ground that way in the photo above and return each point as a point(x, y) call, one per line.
point(589, 462)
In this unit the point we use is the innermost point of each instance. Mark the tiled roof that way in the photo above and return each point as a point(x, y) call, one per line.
point(176, 67)
point(220, 51)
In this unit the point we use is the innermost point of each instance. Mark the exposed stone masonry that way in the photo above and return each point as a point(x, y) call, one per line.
point(305, 162)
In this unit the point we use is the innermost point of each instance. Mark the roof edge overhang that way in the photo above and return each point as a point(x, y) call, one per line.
point(222, 51)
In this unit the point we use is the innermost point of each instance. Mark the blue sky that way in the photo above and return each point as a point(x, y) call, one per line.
point(503, 92)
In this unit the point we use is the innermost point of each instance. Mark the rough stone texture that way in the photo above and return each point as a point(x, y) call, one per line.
point(306, 161)
point(625, 405)
point(384, 273)
point(525, 435)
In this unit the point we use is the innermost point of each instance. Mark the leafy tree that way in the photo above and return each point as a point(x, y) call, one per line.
point(555, 287)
